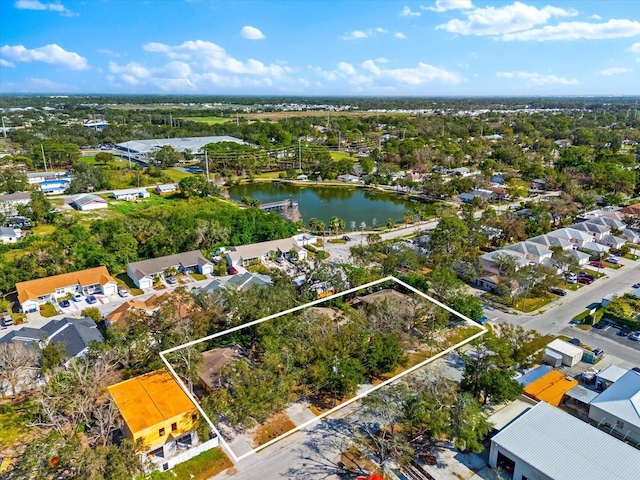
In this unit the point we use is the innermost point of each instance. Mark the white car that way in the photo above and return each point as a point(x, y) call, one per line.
point(123, 293)
point(612, 260)
point(77, 297)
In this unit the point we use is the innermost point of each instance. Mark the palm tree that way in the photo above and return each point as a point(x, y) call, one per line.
point(336, 224)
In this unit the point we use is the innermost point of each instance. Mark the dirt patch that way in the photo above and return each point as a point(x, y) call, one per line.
point(321, 403)
point(354, 460)
point(277, 425)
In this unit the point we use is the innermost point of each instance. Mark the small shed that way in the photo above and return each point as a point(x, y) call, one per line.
point(608, 376)
point(552, 358)
point(570, 353)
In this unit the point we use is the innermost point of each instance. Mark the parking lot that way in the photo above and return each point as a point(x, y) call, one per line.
point(611, 332)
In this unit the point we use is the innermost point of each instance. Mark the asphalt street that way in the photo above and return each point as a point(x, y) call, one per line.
point(554, 318)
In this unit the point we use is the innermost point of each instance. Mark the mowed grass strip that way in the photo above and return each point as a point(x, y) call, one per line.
point(207, 120)
point(200, 467)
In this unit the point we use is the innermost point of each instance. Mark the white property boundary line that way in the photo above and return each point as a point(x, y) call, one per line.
point(224, 443)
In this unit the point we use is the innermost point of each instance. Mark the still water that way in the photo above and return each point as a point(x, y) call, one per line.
point(349, 203)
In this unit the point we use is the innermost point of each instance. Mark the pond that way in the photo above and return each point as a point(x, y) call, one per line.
point(349, 203)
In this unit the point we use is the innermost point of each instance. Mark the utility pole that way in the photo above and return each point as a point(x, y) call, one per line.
point(4, 131)
point(299, 156)
point(129, 155)
point(206, 162)
point(170, 120)
point(339, 140)
point(44, 160)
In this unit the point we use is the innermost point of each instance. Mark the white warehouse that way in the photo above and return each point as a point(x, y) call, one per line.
point(546, 443)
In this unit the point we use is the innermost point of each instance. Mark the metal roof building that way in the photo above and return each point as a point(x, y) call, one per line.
point(548, 444)
point(617, 409)
point(194, 144)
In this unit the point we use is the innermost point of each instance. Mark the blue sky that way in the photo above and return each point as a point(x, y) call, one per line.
point(431, 47)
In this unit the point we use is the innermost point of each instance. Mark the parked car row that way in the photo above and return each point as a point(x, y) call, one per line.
point(585, 278)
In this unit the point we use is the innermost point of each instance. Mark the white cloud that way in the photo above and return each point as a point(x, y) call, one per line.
point(210, 56)
point(537, 78)
point(595, 17)
point(251, 33)
point(38, 5)
point(635, 48)
point(4, 63)
point(379, 78)
point(407, 12)
point(614, 28)
point(198, 66)
point(346, 68)
point(502, 20)
point(134, 69)
point(614, 71)
point(400, 35)
point(106, 51)
point(444, 5)
point(356, 34)
point(423, 73)
point(51, 54)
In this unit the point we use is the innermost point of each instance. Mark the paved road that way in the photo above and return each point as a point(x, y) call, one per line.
point(555, 318)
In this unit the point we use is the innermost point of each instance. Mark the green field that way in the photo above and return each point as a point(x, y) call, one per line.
point(176, 175)
point(207, 120)
point(339, 155)
point(125, 207)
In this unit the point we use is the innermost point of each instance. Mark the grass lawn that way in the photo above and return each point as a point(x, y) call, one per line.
point(207, 120)
point(336, 240)
point(532, 303)
point(126, 207)
point(124, 281)
point(44, 229)
point(582, 315)
point(572, 286)
point(90, 159)
point(201, 467)
point(176, 175)
point(13, 425)
point(339, 155)
point(48, 310)
point(198, 276)
point(269, 175)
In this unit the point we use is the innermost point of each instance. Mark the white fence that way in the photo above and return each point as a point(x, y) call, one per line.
point(169, 463)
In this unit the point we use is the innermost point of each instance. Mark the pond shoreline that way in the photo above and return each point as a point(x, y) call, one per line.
point(363, 204)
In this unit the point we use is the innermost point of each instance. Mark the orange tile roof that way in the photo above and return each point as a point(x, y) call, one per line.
point(33, 289)
point(150, 399)
point(550, 388)
point(147, 305)
point(556, 392)
point(631, 209)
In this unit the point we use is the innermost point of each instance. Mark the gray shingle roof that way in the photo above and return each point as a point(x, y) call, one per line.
point(153, 266)
point(75, 334)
